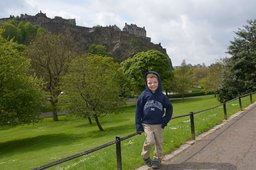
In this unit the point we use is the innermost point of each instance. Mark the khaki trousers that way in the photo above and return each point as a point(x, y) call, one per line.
point(154, 137)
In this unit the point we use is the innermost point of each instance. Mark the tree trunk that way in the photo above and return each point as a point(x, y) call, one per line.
point(54, 111)
point(98, 123)
point(90, 120)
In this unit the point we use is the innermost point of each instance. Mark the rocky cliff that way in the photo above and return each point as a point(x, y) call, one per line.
point(120, 43)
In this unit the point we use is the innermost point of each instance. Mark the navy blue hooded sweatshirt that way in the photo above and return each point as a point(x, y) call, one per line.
point(151, 106)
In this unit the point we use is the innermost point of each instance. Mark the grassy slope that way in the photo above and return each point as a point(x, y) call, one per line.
point(29, 146)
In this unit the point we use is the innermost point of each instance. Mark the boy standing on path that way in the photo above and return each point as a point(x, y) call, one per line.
point(151, 119)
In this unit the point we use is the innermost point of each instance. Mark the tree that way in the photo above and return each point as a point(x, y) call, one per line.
point(11, 31)
point(92, 87)
point(182, 79)
point(20, 32)
point(49, 56)
point(136, 67)
point(29, 31)
point(98, 50)
point(239, 77)
point(199, 72)
point(212, 81)
point(21, 94)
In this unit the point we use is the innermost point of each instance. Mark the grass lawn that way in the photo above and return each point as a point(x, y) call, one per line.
point(30, 146)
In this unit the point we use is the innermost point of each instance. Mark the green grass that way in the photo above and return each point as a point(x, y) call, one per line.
point(29, 146)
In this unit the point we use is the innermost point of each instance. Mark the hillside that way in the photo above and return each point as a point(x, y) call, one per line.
point(120, 43)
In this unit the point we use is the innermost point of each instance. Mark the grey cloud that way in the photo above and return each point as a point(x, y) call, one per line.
point(13, 7)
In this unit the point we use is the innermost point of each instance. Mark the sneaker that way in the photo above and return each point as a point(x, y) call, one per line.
point(148, 162)
point(155, 163)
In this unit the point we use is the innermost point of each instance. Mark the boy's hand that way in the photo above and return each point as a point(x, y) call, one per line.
point(139, 132)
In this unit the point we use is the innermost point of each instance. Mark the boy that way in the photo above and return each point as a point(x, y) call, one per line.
point(151, 119)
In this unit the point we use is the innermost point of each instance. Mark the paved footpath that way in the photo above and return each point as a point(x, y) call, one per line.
point(229, 146)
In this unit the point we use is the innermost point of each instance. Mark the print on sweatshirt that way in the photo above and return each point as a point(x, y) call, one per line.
point(152, 104)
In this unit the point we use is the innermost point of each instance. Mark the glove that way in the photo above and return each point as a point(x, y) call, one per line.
point(163, 126)
point(139, 132)
point(139, 128)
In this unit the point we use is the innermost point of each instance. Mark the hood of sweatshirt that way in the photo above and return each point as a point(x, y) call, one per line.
point(159, 89)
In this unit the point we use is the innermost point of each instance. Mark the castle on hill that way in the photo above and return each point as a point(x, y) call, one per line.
point(41, 19)
point(122, 44)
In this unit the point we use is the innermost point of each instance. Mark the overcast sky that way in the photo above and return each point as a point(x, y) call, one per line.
point(197, 31)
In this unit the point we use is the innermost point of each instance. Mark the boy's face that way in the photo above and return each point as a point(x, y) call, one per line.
point(152, 84)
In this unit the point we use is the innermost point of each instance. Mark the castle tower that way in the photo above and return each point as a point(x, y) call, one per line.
point(135, 30)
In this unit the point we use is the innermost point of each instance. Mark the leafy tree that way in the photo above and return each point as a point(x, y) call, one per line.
point(11, 31)
point(199, 72)
point(21, 32)
point(92, 87)
point(21, 94)
point(49, 56)
point(136, 67)
point(29, 31)
point(182, 79)
point(212, 82)
point(98, 50)
point(239, 77)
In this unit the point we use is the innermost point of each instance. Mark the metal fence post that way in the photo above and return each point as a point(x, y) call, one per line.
point(240, 103)
point(118, 153)
point(192, 124)
point(251, 98)
point(225, 111)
